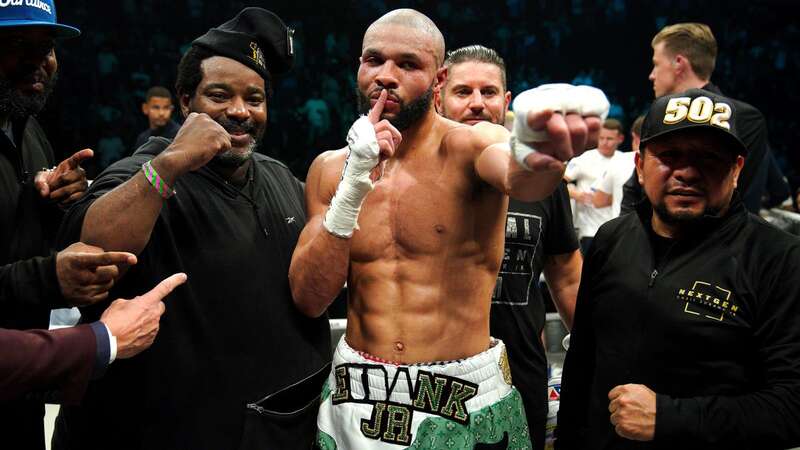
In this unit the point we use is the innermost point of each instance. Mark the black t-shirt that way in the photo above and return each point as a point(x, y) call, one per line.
point(533, 231)
point(230, 336)
point(169, 130)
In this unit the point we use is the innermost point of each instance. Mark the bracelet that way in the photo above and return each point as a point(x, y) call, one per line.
point(158, 183)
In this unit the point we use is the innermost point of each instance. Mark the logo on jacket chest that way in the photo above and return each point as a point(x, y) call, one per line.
point(708, 300)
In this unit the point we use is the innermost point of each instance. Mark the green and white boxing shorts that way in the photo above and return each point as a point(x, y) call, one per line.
point(368, 403)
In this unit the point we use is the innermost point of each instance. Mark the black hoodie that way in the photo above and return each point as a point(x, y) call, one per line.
point(713, 328)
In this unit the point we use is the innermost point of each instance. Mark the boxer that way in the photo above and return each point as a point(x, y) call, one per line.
point(412, 215)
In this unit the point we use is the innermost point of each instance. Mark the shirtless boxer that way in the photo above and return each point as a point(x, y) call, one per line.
point(412, 216)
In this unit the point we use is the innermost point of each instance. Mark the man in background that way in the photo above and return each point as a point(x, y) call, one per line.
point(608, 190)
point(539, 238)
point(582, 173)
point(684, 56)
point(157, 107)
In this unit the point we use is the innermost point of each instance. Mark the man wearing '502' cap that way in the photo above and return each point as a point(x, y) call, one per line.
point(236, 365)
point(687, 325)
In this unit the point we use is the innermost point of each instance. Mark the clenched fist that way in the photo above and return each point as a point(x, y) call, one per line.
point(554, 122)
point(633, 411)
point(198, 141)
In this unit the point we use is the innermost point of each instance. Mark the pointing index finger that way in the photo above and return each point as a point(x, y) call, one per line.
point(163, 288)
point(75, 160)
point(376, 111)
point(93, 260)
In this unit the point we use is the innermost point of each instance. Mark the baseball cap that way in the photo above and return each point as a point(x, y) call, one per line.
point(695, 108)
point(256, 38)
point(29, 13)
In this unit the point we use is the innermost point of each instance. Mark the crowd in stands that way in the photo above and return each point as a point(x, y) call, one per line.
point(136, 44)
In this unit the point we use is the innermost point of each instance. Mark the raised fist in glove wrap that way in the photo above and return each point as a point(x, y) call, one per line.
point(555, 122)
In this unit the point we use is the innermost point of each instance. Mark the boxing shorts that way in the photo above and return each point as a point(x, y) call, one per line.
point(464, 404)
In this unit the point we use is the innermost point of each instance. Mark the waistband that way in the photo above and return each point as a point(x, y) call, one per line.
point(365, 378)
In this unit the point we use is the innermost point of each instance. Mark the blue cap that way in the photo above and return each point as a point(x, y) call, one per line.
point(32, 13)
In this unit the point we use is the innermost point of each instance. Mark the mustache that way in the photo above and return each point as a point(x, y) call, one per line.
point(235, 126)
point(391, 96)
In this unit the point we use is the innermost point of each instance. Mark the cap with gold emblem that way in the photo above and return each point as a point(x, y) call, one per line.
point(256, 38)
point(693, 109)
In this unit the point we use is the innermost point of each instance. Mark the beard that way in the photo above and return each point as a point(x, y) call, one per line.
point(409, 114)
point(15, 104)
point(685, 219)
point(235, 157)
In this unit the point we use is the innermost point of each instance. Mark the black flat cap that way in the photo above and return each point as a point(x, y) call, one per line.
point(695, 108)
point(256, 38)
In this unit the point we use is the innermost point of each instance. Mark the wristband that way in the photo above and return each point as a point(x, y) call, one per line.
point(156, 181)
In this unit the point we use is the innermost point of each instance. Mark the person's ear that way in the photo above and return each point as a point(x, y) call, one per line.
point(441, 78)
point(681, 64)
point(185, 102)
point(737, 170)
point(638, 159)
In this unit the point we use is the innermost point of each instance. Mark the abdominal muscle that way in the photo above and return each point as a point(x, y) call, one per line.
point(422, 310)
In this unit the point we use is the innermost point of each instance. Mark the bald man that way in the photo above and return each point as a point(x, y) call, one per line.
point(412, 216)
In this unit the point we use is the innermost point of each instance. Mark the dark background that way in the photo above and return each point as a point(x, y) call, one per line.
point(129, 45)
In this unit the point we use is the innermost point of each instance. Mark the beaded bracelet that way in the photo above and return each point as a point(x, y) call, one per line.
point(158, 183)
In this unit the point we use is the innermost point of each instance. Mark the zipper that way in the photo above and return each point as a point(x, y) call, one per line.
point(653, 278)
point(664, 262)
point(261, 410)
point(256, 408)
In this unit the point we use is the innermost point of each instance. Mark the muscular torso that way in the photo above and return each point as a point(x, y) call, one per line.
point(425, 259)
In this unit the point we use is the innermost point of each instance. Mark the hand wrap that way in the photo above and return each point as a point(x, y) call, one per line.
point(558, 97)
point(362, 156)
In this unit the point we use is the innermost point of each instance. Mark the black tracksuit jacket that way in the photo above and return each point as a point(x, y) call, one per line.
point(713, 328)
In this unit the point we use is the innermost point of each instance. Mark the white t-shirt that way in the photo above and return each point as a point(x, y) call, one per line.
point(619, 171)
point(585, 170)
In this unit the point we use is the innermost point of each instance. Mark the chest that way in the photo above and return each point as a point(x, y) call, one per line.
point(259, 226)
point(415, 208)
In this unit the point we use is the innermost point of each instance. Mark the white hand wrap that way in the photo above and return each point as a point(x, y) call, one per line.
point(559, 97)
point(362, 156)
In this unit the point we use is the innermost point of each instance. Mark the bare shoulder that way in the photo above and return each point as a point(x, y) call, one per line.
point(328, 162)
point(476, 138)
point(324, 175)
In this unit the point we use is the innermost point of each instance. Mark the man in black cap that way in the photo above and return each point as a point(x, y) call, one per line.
point(236, 365)
point(687, 326)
